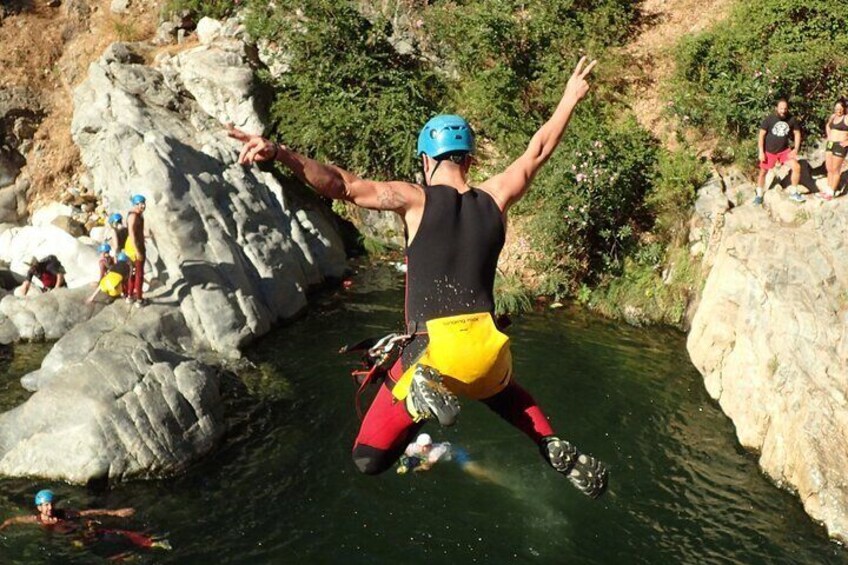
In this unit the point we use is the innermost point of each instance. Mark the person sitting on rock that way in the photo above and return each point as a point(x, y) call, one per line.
point(113, 283)
point(69, 521)
point(119, 233)
point(106, 260)
point(773, 148)
point(135, 249)
point(49, 271)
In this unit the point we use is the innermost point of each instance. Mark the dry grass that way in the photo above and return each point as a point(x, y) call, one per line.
point(48, 50)
point(666, 23)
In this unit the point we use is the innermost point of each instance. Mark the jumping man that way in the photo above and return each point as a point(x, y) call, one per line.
point(455, 234)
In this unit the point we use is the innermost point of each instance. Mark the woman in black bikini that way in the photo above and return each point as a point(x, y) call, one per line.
point(837, 147)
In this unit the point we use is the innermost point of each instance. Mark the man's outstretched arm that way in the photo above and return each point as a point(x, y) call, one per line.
point(118, 512)
point(329, 180)
point(509, 186)
point(18, 520)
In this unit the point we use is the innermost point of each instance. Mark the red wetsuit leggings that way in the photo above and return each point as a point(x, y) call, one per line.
point(136, 283)
point(388, 428)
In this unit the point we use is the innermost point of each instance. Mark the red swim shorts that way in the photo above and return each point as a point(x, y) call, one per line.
point(773, 159)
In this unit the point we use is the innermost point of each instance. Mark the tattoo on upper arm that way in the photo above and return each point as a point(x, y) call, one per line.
point(389, 198)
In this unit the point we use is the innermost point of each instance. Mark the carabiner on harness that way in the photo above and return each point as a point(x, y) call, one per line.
point(379, 356)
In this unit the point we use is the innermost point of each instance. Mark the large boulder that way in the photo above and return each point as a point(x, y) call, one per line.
point(19, 244)
point(43, 315)
point(770, 336)
point(20, 114)
point(115, 400)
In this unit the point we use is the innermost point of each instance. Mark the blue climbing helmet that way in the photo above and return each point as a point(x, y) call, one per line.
point(446, 133)
point(115, 219)
point(138, 199)
point(43, 497)
point(122, 257)
point(104, 248)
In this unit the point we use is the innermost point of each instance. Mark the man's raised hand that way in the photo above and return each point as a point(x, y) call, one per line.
point(256, 148)
point(578, 86)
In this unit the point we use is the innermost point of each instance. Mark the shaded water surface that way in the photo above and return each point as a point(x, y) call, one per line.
point(282, 487)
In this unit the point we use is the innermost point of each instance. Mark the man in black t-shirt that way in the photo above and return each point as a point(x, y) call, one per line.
point(773, 148)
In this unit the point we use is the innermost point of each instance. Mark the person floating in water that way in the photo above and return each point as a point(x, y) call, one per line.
point(454, 235)
point(422, 454)
point(69, 521)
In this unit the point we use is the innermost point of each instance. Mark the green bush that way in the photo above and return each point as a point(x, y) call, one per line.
point(654, 287)
point(729, 78)
point(513, 57)
point(587, 201)
point(678, 176)
point(349, 96)
point(217, 9)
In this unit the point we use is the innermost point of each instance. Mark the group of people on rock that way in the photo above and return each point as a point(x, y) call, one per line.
point(779, 142)
point(121, 260)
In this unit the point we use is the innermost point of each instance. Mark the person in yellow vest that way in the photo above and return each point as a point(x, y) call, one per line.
point(114, 283)
point(135, 249)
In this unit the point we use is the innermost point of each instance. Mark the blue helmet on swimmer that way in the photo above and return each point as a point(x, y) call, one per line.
point(122, 257)
point(115, 219)
point(44, 497)
point(444, 134)
point(138, 199)
point(104, 248)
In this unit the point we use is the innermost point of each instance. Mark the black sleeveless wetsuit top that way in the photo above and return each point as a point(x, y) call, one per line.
point(451, 261)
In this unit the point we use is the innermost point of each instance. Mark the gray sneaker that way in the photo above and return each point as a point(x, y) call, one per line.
point(587, 474)
point(795, 197)
point(431, 398)
point(758, 201)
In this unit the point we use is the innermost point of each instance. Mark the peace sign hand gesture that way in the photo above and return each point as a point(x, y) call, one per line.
point(578, 86)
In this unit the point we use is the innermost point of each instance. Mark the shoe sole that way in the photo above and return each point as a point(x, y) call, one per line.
point(435, 399)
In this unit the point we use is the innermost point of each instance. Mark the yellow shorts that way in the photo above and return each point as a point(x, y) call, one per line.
point(469, 351)
point(111, 284)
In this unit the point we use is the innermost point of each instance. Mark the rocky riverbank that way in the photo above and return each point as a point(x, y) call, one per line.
point(770, 334)
point(122, 393)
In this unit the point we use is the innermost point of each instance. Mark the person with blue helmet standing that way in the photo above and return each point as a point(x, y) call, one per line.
point(454, 236)
point(119, 232)
point(136, 249)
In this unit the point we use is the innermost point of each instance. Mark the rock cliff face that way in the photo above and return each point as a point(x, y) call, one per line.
point(230, 253)
point(770, 335)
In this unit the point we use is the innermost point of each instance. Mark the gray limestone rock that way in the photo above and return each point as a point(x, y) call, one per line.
point(46, 315)
point(117, 400)
point(119, 6)
point(230, 250)
point(770, 338)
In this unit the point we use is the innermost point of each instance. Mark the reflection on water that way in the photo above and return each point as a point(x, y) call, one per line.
point(282, 486)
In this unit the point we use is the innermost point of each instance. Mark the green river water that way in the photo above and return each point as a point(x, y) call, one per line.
point(282, 489)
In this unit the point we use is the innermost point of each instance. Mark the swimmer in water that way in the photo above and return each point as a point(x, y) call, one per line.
point(67, 521)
